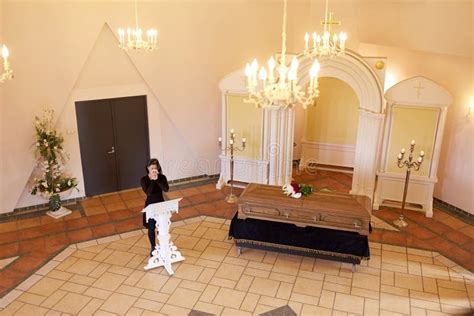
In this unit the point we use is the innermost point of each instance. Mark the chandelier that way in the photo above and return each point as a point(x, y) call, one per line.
point(7, 70)
point(280, 88)
point(135, 37)
point(327, 44)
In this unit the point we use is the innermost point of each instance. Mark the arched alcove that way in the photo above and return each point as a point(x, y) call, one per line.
point(352, 69)
point(328, 134)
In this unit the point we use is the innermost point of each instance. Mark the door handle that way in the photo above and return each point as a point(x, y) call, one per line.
point(112, 150)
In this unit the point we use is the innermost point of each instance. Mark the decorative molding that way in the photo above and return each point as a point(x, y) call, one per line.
point(454, 210)
point(245, 170)
point(278, 129)
point(416, 92)
point(419, 90)
point(326, 154)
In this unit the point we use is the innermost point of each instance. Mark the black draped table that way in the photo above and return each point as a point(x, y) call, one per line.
point(306, 241)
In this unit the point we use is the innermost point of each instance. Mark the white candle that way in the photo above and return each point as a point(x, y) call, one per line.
point(413, 142)
point(244, 140)
point(420, 159)
point(231, 141)
point(403, 150)
point(399, 156)
point(220, 139)
point(422, 153)
point(5, 53)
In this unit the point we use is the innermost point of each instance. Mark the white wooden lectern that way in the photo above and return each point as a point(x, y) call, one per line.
point(166, 252)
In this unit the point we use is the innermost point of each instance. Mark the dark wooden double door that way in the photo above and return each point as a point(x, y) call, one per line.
point(113, 139)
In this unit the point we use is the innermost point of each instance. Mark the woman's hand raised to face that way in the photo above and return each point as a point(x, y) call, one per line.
point(153, 175)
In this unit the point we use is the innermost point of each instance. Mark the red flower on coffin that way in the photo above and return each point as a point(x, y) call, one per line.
point(296, 186)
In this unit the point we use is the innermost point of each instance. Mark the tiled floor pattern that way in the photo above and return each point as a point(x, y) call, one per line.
point(443, 233)
point(106, 277)
point(36, 240)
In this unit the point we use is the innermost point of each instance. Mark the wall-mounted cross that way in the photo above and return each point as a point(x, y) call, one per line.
point(418, 89)
point(328, 22)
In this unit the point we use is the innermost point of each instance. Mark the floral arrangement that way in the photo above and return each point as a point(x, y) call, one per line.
point(50, 157)
point(296, 190)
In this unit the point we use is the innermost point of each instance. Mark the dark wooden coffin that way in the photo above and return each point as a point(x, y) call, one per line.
point(332, 210)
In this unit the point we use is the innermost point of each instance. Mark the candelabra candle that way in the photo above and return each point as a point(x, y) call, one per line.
point(232, 198)
point(410, 164)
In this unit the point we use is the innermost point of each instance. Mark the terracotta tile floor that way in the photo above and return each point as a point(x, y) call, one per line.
point(36, 240)
point(105, 276)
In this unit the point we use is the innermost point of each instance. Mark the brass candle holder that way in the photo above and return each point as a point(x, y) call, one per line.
point(231, 197)
point(409, 164)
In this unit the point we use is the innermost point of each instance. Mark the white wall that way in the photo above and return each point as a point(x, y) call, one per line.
point(52, 42)
point(455, 73)
point(2, 179)
point(200, 42)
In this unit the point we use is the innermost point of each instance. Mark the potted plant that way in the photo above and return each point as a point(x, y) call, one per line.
point(50, 157)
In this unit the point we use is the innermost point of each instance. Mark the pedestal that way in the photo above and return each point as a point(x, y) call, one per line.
point(166, 252)
point(59, 213)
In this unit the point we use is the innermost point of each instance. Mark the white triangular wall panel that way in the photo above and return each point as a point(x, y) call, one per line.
point(110, 73)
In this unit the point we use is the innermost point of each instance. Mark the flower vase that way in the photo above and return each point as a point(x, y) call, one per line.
point(55, 208)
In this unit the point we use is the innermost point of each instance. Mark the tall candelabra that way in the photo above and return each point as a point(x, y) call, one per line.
point(409, 164)
point(232, 198)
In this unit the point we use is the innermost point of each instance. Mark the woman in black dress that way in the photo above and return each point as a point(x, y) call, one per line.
point(153, 184)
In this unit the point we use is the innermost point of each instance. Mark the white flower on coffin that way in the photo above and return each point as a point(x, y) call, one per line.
point(290, 191)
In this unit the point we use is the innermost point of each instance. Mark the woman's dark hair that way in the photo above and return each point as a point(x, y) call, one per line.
point(153, 161)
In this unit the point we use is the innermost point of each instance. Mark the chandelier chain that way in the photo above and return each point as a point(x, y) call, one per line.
point(283, 34)
point(136, 15)
point(326, 17)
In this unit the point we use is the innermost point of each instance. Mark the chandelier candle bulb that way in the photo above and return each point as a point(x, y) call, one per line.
point(420, 159)
point(412, 142)
point(7, 71)
point(5, 53)
point(402, 151)
point(422, 153)
point(400, 156)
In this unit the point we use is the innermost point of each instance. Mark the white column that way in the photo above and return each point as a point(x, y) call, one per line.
point(272, 144)
point(289, 146)
point(278, 144)
point(224, 175)
point(369, 137)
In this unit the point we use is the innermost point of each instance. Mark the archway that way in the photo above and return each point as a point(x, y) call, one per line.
point(354, 70)
point(274, 167)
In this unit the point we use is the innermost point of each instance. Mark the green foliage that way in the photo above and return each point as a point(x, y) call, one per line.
point(54, 202)
point(50, 157)
point(306, 189)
